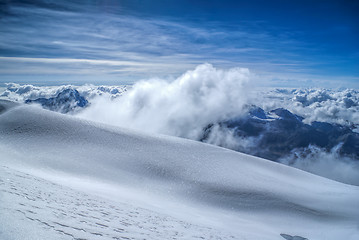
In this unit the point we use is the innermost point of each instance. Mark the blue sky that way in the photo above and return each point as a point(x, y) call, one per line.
point(284, 43)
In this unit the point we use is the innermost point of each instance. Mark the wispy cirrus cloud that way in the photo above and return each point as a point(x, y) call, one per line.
point(69, 38)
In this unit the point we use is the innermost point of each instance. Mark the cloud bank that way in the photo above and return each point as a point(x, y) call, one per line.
point(339, 106)
point(21, 93)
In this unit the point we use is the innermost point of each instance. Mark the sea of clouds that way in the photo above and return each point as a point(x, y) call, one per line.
point(21, 93)
point(207, 96)
point(339, 106)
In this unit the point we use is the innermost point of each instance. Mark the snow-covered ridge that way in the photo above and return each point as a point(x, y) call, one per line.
point(66, 101)
point(202, 186)
point(277, 133)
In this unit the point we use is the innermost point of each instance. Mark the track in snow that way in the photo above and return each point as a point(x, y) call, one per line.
point(71, 214)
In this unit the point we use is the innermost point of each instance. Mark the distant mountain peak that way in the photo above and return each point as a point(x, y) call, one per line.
point(65, 101)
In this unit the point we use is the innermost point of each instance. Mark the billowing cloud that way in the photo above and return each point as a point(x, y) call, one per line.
point(181, 107)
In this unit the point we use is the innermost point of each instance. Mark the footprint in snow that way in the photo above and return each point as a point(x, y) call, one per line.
point(289, 237)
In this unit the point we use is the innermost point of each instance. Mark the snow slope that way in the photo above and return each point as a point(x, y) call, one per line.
point(65, 178)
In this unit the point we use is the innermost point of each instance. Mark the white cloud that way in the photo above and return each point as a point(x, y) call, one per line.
point(71, 60)
point(182, 107)
point(323, 163)
point(315, 104)
point(21, 93)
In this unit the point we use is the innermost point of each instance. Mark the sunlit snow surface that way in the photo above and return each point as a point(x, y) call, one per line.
point(34, 208)
point(66, 178)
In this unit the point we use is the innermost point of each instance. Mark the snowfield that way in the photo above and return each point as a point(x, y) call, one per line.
point(66, 178)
